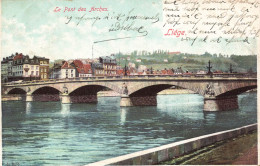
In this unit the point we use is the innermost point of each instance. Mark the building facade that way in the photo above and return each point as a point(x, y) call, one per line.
point(82, 68)
point(10, 66)
point(97, 69)
point(31, 69)
point(55, 71)
point(44, 67)
point(67, 71)
point(4, 70)
point(109, 65)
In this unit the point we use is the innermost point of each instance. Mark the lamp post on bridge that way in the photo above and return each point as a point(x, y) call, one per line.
point(125, 70)
point(230, 68)
point(209, 69)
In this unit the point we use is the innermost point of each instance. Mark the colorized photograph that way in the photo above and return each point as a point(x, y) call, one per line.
point(129, 82)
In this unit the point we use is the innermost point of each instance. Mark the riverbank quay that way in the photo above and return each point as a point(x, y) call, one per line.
point(11, 97)
point(170, 151)
point(241, 150)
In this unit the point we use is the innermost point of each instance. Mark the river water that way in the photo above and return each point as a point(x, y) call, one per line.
point(51, 133)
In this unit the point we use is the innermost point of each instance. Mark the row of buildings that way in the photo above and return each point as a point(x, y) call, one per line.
point(21, 67)
point(106, 66)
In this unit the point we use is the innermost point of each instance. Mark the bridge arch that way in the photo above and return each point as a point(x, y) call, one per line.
point(237, 91)
point(234, 88)
point(151, 89)
point(146, 94)
point(45, 93)
point(16, 91)
point(92, 86)
point(46, 90)
point(87, 93)
point(87, 90)
point(40, 89)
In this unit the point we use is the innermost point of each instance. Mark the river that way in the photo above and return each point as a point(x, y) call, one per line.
point(51, 133)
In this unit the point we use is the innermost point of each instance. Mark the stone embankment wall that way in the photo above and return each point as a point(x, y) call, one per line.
point(84, 99)
point(167, 152)
point(144, 101)
point(46, 97)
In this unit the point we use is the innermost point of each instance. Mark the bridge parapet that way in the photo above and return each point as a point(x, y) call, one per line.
point(135, 77)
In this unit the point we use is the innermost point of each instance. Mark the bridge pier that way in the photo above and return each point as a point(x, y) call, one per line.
point(65, 99)
point(28, 97)
point(127, 101)
point(220, 103)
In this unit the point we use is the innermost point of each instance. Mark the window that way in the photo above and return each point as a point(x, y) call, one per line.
point(71, 75)
point(32, 73)
point(37, 73)
point(37, 67)
point(71, 71)
point(32, 67)
point(45, 70)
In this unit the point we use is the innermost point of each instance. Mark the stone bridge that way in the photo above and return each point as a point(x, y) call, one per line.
point(219, 93)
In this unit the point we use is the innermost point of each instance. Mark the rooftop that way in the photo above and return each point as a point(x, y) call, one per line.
point(66, 65)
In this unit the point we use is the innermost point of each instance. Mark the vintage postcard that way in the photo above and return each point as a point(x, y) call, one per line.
point(129, 82)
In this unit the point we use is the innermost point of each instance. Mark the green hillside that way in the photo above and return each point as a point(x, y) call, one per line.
point(190, 62)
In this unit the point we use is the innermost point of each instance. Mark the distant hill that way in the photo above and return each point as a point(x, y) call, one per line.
point(192, 62)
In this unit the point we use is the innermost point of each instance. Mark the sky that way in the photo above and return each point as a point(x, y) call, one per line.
point(32, 27)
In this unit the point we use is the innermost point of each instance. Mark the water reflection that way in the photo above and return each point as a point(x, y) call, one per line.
point(65, 109)
point(28, 107)
point(181, 107)
point(123, 116)
point(210, 117)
